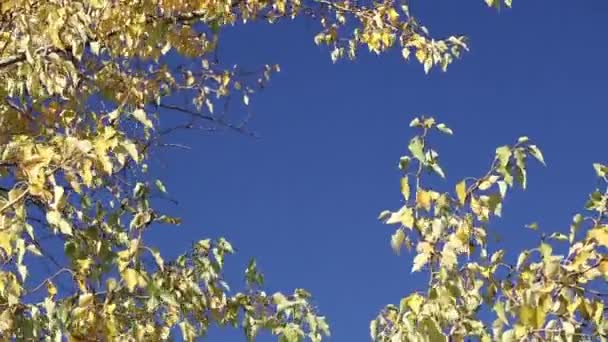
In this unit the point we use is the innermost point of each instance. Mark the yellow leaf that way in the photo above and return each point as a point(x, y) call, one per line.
point(405, 188)
point(52, 290)
point(405, 216)
point(449, 259)
point(393, 16)
point(532, 316)
point(600, 234)
point(603, 267)
point(56, 220)
point(84, 265)
point(141, 116)
point(487, 182)
point(419, 261)
point(414, 302)
point(130, 277)
point(461, 192)
point(58, 197)
point(5, 242)
point(131, 149)
point(423, 199)
point(85, 299)
point(421, 54)
point(397, 240)
point(428, 64)
point(499, 308)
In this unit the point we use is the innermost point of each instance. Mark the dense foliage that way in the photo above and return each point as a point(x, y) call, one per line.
point(473, 291)
point(90, 88)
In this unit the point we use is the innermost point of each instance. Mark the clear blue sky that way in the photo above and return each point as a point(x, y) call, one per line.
point(304, 197)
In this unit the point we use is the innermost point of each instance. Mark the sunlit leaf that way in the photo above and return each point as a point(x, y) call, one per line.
point(416, 148)
point(461, 192)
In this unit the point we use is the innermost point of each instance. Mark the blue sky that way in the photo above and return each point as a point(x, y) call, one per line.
point(303, 198)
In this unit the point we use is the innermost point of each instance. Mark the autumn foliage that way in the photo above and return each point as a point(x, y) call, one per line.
point(85, 86)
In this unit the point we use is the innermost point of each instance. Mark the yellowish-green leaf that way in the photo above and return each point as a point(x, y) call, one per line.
point(603, 267)
point(461, 192)
point(405, 188)
point(6, 242)
point(536, 153)
point(55, 219)
point(132, 150)
point(503, 154)
point(160, 186)
point(600, 169)
point(600, 234)
point(397, 240)
point(521, 259)
point(424, 199)
point(130, 277)
point(445, 129)
point(414, 302)
point(141, 116)
point(416, 148)
point(419, 261)
point(545, 250)
point(499, 308)
point(532, 316)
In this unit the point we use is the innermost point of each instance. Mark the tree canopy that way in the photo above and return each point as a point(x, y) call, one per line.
point(552, 292)
point(89, 89)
